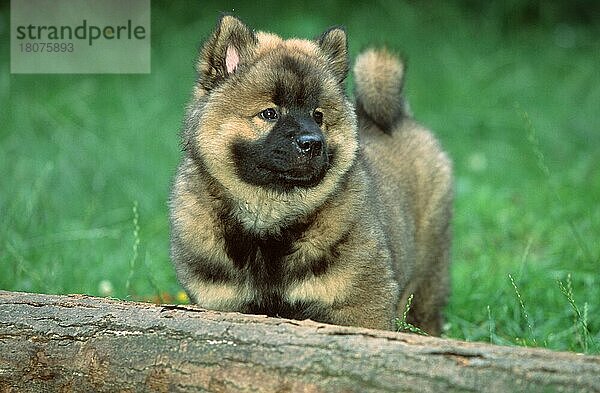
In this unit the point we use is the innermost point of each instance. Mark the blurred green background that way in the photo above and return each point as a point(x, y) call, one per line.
point(511, 89)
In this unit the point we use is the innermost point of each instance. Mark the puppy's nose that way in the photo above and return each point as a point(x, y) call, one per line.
point(309, 144)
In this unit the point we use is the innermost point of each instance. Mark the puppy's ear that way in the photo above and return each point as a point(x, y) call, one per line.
point(230, 45)
point(334, 44)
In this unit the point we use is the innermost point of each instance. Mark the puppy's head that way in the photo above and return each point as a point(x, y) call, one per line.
point(270, 121)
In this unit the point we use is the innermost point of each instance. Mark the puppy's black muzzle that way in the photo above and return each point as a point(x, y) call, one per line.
point(293, 154)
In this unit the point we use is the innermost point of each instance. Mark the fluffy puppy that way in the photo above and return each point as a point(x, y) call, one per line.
point(281, 206)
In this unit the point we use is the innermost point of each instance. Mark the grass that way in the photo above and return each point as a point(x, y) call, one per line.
point(86, 161)
point(401, 323)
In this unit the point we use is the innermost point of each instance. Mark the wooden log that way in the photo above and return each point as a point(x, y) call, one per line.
point(80, 343)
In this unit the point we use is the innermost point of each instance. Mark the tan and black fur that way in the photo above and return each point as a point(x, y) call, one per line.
point(291, 201)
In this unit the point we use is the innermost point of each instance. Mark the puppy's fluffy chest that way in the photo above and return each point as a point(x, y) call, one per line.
point(273, 274)
point(276, 259)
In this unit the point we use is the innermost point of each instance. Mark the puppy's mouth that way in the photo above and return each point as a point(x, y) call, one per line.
point(296, 177)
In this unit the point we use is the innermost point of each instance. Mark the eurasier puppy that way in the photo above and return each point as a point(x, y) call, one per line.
point(292, 201)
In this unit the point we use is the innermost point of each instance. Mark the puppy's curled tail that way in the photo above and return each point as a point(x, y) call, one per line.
point(379, 79)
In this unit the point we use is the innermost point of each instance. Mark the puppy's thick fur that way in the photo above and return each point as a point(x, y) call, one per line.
point(281, 206)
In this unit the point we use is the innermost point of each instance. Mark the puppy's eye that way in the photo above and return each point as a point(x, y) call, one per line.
point(318, 116)
point(269, 114)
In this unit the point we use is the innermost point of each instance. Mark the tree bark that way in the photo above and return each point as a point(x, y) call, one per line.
point(80, 343)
